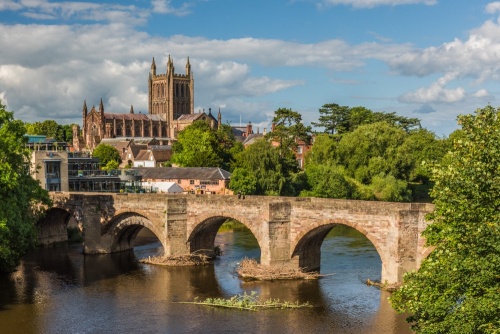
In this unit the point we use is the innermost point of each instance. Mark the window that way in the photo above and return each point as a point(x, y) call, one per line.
point(209, 182)
point(299, 149)
point(191, 181)
point(299, 162)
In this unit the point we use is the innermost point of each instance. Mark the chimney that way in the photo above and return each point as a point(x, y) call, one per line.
point(249, 129)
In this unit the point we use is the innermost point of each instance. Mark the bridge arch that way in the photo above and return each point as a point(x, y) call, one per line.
point(307, 249)
point(53, 227)
point(124, 227)
point(202, 237)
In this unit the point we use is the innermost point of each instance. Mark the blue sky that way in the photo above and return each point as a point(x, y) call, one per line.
point(431, 59)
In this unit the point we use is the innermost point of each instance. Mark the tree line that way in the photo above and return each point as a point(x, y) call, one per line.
point(361, 154)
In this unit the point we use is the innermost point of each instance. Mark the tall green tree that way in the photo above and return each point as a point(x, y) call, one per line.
point(22, 198)
point(333, 118)
point(288, 128)
point(106, 153)
point(457, 288)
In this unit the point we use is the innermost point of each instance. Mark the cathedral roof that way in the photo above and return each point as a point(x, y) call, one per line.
point(193, 117)
point(135, 117)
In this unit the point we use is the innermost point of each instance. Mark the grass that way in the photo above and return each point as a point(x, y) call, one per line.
point(248, 302)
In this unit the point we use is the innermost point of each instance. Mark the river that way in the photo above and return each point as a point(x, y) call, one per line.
point(59, 290)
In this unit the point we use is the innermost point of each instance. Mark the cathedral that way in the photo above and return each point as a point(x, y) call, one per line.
point(170, 109)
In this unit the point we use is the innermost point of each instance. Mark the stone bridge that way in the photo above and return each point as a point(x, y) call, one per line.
point(289, 230)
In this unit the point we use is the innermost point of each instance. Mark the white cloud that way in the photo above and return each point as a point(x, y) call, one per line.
point(481, 93)
point(493, 7)
point(375, 3)
point(9, 5)
point(478, 57)
point(434, 93)
point(165, 7)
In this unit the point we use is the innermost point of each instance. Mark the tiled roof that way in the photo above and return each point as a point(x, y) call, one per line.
point(143, 155)
point(250, 139)
point(191, 173)
point(161, 155)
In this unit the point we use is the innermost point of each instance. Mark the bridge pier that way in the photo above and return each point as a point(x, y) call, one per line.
point(276, 251)
point(176, 226)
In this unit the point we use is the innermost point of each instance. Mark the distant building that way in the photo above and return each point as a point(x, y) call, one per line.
point(170, 109)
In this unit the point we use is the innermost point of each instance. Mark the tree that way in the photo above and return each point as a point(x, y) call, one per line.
point(228, 146)
point(456, 289)
point(288, 127)
point(273, 174)
point(106, 153)
point(327, 181)
point(243, 181)
point(370, 150)
point(197, 146)
point(111, 165)
point(23, 200)
point(334, 118)
point(52, 129)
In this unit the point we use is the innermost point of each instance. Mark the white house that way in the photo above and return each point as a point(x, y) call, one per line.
point(165, 187)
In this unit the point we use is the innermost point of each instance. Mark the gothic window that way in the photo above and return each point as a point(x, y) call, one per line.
point(157, 91)
point(128, 131)
point(155, 131)
point(182, 91)
point(137, 130)
point(119, 132)
point(146, 131)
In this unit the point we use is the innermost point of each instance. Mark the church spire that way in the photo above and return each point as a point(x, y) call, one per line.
point(101, 107)
point(188, 67)
point(131, 109)
point(219, 120)
point(84, 110)
point(153, 67)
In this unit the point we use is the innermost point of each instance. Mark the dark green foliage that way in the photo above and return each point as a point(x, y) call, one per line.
point(337, 119)
point(376, 160)
point(457, 288)
point(262, 162)
point(22, 199)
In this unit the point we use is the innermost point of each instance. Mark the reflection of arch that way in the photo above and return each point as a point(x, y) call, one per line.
point(53, 226)
point(202, 238)
point(124, 228)
point(308, 247)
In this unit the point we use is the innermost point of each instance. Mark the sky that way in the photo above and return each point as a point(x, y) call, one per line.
point(430, 59)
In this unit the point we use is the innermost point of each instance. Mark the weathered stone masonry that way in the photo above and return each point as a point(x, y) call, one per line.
point(289, 230)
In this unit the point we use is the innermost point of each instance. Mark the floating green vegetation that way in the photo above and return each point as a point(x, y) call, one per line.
point(248, 302)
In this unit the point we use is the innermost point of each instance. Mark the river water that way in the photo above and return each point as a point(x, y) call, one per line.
point(59, 290)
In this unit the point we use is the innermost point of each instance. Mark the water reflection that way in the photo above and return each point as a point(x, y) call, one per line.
point(60, 290)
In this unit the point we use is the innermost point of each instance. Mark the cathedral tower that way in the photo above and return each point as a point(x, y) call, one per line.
point(170, 95)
